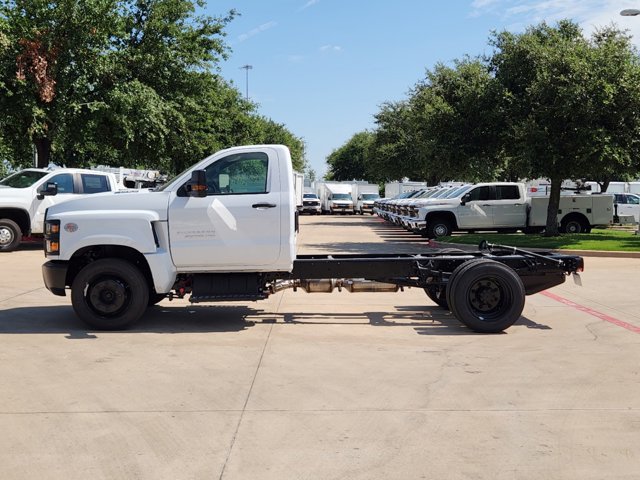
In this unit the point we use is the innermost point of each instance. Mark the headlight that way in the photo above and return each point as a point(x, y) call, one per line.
point(52, 237)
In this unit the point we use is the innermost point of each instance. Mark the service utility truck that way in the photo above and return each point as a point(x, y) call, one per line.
point(25, 195)
point(335, 197)
point(225, 230)
point(364, 195)
point(506, 207)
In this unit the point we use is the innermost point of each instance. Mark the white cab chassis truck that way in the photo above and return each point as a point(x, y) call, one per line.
point(25, 196)
point(225, 230)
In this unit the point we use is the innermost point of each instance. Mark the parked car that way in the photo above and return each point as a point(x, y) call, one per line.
point(627, 204)
point(310, 204)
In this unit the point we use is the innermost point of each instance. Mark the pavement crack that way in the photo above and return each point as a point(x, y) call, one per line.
point(246, 402)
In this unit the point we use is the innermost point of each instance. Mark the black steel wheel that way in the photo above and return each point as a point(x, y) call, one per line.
point(110, 294)
point(487, 296)
point(10, 235)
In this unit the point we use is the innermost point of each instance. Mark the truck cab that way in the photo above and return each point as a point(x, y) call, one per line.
point(25, 196)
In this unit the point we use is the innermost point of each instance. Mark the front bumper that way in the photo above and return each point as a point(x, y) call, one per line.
point(309, 209)
point(54, 274)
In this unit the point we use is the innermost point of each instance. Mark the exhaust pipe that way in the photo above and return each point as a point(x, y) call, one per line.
point(328, 285)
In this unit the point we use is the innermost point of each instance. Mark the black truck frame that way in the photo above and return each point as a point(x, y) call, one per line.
point(485, 288)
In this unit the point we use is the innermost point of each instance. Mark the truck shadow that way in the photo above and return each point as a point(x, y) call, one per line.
point(232, 318)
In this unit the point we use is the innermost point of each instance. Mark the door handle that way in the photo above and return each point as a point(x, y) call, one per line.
point(263, 205)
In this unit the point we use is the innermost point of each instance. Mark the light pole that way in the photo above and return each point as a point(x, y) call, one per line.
point(247, 68)
point(631, 12)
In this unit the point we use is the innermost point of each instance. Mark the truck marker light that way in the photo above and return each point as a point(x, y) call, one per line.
point(70, 227)
point(53, 247)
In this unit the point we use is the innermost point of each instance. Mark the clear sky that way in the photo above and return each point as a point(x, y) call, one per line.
point(323, 67)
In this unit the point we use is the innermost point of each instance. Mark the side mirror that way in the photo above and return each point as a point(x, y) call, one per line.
point(465, 198)
point(49, 189)
point(197, 186)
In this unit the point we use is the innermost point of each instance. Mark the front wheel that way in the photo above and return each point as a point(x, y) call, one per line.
point(487, 296)
point(10, 235)
point(438, 227)
point(110, 294)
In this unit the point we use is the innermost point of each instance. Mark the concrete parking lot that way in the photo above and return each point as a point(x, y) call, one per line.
point(323, 386)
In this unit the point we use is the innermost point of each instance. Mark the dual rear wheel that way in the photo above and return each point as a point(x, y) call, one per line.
point(485, 295)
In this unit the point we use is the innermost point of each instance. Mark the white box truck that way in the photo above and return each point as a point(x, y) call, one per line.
point(364, 195)
point(335, 197)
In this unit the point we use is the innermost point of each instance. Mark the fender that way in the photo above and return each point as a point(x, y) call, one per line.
point(130, 228)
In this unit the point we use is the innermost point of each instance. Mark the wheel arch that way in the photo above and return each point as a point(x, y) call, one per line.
point(19, 216)
point(444, 215)
point(575, 216)
point(86, 255)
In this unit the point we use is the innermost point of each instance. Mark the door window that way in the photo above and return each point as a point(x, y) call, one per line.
point(95, 183)
point(480, 193)
point(242, 173)
point(64, 181)
point(507, 192)
point(633, 200)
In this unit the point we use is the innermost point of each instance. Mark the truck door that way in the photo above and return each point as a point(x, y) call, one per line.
point(509, 207)
point(477, 212)
point(238, 223)
point(68, 184)
point(628, 204)
point(64, 181)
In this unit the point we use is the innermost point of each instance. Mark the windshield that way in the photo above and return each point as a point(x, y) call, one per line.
point(341, 196)
point(23, 179)
point(310, 195)
point(456, 192)
point(370, 196)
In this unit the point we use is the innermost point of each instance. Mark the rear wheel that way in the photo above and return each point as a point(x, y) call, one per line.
point(110, 294)
point(10, 235)
point(573, 225)
point(438, 293)
point(486, 296)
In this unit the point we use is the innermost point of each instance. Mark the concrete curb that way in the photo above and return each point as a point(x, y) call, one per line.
point(582, 253)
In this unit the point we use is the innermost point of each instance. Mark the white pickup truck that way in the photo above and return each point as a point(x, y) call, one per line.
point(506, 207)
point(225, 230)
point(25, 195)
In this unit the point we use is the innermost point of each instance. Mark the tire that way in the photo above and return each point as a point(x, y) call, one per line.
point(155, 298)
point(487, 296)
point(10, 235)
point(439, 227)
point(573, 225)
point(110, 294)
point(438, 293)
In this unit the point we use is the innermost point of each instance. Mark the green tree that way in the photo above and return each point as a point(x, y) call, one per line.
point(456, 123)
point(566, 111)
point(352, 161)
point(100, 79)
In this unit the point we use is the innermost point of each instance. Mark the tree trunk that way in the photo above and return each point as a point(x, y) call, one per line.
point(551, 230)
point(43, 150)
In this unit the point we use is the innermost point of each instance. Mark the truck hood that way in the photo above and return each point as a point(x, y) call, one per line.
point(439, 203)
point(138, 200)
